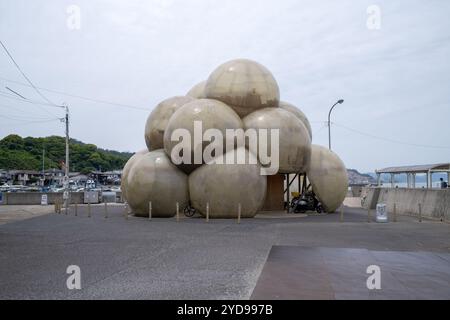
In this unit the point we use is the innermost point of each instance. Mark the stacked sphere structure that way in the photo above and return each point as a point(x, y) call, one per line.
point(240, 96)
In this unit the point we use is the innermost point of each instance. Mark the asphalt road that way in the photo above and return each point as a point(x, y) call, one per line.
point(189, 259)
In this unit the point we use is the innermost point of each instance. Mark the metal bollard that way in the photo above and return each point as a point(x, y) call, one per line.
point(368, 215)
point(76, 209)
point(150, 210)
point(239, 213)
point(178, 212)
point(341, 217)
point(106, 210)
point(420, 212)
point(89, 208)
point(395, 212)
point(125, 210)
point(207, 212)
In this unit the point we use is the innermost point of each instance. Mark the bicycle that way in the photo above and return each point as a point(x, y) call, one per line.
point(189, 211)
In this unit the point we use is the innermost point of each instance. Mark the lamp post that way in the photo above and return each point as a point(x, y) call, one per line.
point(329, 123)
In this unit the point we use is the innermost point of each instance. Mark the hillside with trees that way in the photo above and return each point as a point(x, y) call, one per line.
point(26, 154)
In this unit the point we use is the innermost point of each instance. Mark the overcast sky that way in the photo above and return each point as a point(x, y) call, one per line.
point(394, 79)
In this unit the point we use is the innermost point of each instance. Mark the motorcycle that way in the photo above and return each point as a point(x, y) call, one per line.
point(305, 202)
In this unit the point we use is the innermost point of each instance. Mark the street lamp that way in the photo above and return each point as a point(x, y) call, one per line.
point(329, 123)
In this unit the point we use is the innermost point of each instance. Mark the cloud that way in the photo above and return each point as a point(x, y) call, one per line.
point(394, 80)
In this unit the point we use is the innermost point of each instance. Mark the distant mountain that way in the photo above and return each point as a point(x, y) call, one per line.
point(26, 154)
point(355, 177)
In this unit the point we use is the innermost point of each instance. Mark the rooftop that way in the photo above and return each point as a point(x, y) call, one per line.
point(424, 168)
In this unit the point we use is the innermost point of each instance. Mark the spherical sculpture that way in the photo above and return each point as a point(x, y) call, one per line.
point(126, 170)
point(206, 113)
point(294, 141)
point(198, 91)
point(298, 113)
point(224, 186)
point(154, 178)
point(328, 177)
point(244, 85)
point(158, 119)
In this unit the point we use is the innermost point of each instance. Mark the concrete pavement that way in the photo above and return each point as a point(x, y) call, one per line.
point(190, 259)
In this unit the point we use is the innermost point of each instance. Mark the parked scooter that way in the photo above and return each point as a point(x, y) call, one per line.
point(305, 202)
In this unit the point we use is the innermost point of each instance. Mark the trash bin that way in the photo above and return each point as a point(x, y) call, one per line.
point(381, 213)
point(91, 197)
point(109, 196)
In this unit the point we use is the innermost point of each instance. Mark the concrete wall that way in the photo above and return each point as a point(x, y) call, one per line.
point(435, 202)
point(25, 198)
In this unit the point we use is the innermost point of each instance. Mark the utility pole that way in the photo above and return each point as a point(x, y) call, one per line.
point(66, 176)
point(43, 166)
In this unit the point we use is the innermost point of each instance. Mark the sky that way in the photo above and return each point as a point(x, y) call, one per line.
point(389, 61)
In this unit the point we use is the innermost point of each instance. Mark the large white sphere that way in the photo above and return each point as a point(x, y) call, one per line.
point(198, 91)
point(224, 186)
point(298, 113)
point(126, 170)
point(158, 119)
point(294, 141)
point(328, 177)
point(154, 178)
point(244, 85)
point(212, 114)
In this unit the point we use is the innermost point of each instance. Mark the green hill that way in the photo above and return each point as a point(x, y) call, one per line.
point(26, 154)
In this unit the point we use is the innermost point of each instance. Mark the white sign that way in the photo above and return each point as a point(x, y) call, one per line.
point(44, 200)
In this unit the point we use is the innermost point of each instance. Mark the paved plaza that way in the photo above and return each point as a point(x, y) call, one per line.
point(274, 256)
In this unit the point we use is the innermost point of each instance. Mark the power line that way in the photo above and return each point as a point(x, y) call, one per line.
point(81, 97)
point(320, 129)
point(391, 140)
point(18, 118)
point(25, 76)
point(15, 92)
point(30, 122)
point(10, 96)
point(36, 103)
point(22, 113)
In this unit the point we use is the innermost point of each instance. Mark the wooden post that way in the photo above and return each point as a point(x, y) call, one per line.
point(56, 206)
point(89, 208)
point(150, 210)
point(420, 212)
point(239, 213)
point(395, 212)
point(368, 214)
point(178, 211)
point(341, 218)
point(106, 210)
point(207, 212)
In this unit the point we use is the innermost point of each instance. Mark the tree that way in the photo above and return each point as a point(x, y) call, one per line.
point(26, 154)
